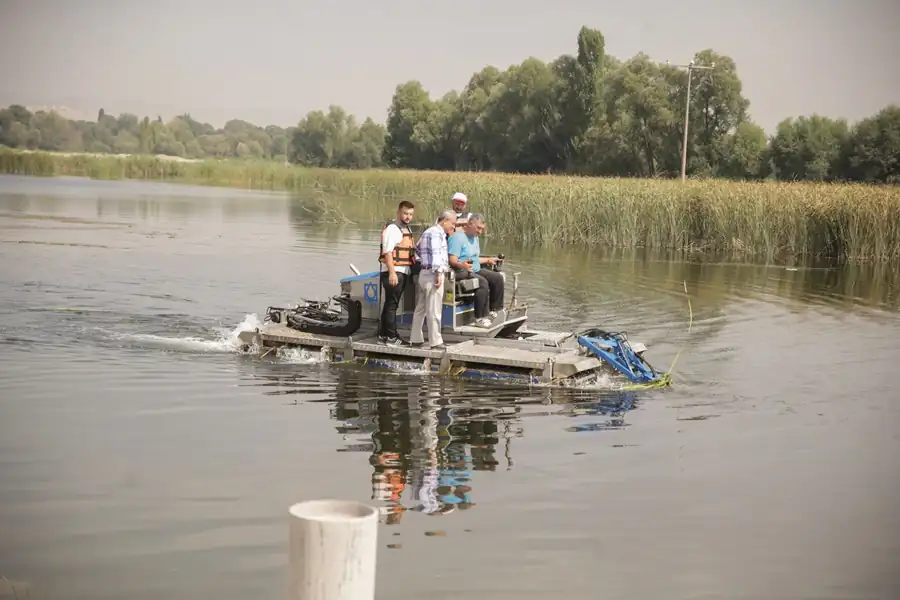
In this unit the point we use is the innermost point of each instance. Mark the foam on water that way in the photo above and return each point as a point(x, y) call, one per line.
point(226, 340)
point(301, 356)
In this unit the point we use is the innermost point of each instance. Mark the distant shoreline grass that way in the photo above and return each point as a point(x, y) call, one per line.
point(765, 219)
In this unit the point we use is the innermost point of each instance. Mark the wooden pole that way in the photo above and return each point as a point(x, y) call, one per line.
point(333, 545)
point(687, 111)
point(687, 116)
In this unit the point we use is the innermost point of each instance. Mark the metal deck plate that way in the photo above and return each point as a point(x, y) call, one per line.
point(373, 345)
point(531, 353)
point(475, 331)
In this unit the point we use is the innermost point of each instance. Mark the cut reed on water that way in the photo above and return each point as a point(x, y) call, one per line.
point(767, 219)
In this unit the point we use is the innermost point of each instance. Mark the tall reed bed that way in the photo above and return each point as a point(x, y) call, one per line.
point(769, 219)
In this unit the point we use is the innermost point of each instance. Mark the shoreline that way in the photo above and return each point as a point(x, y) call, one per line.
point(768, 219)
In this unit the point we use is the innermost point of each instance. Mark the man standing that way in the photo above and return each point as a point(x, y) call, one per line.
point(459, 202)
point(397, 255)
point(432, 253)
point(465, 259)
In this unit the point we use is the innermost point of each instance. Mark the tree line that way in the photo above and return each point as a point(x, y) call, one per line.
point(587, 114)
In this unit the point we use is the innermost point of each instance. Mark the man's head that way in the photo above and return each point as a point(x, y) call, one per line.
point(447, 221)
point(475, 226)
point(405, 212)
point(459, 201)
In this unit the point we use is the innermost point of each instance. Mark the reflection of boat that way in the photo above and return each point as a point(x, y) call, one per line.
point(427, 443)
point(425, 447)
point(344, 328)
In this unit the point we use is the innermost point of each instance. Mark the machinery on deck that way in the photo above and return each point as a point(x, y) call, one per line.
point(345, 329)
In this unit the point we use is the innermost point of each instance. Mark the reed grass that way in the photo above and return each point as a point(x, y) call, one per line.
point(767, 219)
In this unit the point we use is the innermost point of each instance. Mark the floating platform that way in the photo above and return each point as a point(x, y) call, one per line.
point(506, 350)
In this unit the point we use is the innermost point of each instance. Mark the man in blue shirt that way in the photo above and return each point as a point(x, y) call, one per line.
point(465, 257)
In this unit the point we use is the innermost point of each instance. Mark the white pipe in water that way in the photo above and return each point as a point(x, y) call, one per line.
point(332, 550)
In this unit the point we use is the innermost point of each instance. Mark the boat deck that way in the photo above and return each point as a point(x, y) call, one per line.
point(537, 352)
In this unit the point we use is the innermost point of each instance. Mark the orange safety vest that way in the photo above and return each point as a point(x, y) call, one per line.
point(404, 253)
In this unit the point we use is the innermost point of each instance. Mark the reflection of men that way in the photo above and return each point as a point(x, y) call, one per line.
point(453, 489)
point(423, 457)
point(466, 260)
point(397, 255)
point(432, 253)
point(388, 483)
point(424, 482)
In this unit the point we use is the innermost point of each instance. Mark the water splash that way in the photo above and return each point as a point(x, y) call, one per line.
point(302, 356)
point(602, 381)
point(226, 340)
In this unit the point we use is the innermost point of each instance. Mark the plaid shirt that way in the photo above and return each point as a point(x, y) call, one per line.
point(432, 250)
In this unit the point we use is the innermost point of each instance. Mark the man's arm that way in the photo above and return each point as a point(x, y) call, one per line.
point(441, 253)
point(485, 260)
point(456, 263)
point(388, 242)
point(454, 249)
point(437, 250)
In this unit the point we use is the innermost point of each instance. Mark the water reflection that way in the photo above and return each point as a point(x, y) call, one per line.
point(426, 438)
point(157, 460)
point(423, 444)
point(713, 280)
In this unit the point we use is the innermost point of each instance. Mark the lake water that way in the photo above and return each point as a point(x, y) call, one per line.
point(141, 456)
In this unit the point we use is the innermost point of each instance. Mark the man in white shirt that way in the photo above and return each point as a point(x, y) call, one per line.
point(397, 256)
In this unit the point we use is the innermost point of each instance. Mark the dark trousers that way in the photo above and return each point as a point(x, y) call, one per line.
point(489, 293)
point(387, 326)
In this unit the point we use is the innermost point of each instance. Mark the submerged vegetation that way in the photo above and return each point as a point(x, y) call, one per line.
point(762, 218)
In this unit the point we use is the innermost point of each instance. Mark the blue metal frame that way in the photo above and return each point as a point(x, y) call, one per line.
point(393, 363)
point(622, 357)
point(370, 275)
point(448, 311)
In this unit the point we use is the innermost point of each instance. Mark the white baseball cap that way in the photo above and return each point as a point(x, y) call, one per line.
point(459, 196)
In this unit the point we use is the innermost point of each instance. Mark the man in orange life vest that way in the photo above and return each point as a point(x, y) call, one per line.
point(397, 258)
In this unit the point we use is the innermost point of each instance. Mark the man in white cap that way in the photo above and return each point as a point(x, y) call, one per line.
point(460, 202)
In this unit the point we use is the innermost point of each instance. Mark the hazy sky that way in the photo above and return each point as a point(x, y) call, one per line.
point(271, 61)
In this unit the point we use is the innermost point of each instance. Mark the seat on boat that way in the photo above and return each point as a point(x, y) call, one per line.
point(467, 286)
point(463, 289)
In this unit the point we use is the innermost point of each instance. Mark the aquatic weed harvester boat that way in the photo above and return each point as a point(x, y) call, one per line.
point(344, 329)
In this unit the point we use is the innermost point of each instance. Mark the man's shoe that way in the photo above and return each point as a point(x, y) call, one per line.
point(394, 341)
point(483, 322)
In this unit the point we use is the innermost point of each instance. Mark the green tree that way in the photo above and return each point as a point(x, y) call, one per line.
point(872, 151)
point(809, 148)
point(588, 113)
point(407, 135)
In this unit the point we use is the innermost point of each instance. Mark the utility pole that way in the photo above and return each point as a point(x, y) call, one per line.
point(687, 111)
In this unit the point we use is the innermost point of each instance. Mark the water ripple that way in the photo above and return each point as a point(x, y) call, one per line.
point(143, 455)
